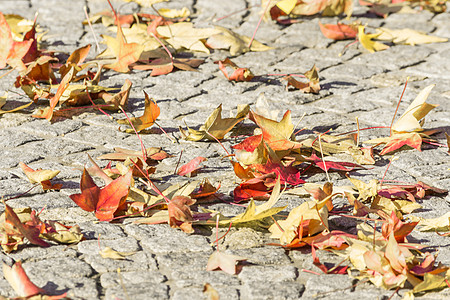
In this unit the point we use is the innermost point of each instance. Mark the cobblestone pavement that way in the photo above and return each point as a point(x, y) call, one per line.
point(169, 263)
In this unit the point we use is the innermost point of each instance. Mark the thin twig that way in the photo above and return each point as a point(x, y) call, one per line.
point(398, 105)
point(144, 151)
point(92, 29)
point(257, 26)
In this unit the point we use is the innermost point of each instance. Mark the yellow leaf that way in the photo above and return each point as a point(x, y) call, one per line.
point(3, 102)
point(407, 36)
point(174, 13)
point(215, 125)
point(151, 113)
point(410, 120)
point(184, 35)
point(37, 176)
point(366, 41)
point(441, 223)
point(287, 5)
point(107, 252)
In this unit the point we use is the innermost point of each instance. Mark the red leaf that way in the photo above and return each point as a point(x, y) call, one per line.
point(191, 166)
point(327, 165)
point(287, 174)
point(325, 269)
point(30, 232)
point(396, 226)
point(106, 201)
point(339, 31)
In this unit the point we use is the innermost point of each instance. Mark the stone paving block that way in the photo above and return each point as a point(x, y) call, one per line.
point(139, 261)
point(260, 290)
point(268, 273)
point(122, 244)
point(35, 253)
point(306, 34)
point(267, 255)
point(103, 230)
point(186, 278)
point(113, 279)
point(163, 239)
point(13, 138)
point(193, 261)
point(245, 238)
point(331, 286)
point(352, 71)
point(197, 293)
point(143, 291)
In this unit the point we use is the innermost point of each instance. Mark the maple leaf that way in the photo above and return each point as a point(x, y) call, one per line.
point(236, 43)
point(40, 176)
point(180, 215)
point(105, 202)
point(407, 129)
point(205, 190)
point(191, 167)
point(312, 86)
point(250, 151)
point(239, 74)
point(277, 135)
point(184, 35)
point(223, 261)
point(215, 125)
point(315, 212)
point(165, 65)
point(287, 174)
point(47, 113)
point(366, 40)
point(441, 223)
point(309, 7)
point(124, 53)
point(407, 36)
point(75, 60)
point(151, 113)
point(11, 52)
point(339, 31)
point(397, 228)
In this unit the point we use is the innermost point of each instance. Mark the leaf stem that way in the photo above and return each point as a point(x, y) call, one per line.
point(259, 23)
point(398, 105)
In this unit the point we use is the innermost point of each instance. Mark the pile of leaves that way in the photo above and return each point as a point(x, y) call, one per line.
point(264, 161)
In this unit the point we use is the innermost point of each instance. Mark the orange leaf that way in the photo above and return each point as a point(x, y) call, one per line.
point(339, 31)
point(19, 280)
point(239, 74)
point(11, 52)
point(180, 216)
point(125, 53)
point(151, 112)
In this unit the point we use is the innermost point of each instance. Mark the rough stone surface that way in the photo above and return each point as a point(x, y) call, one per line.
point(168, 263)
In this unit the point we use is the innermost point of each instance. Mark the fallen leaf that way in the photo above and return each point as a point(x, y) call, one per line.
point(124, 53)
point(107, 252)
point(239, 74)
point(333, 165)
point(75, 60)
point(215, 125)
point(205, 190)
point(339, 31)
point(312, 86)
point(47, 113)
point(407, 36)
point(3, 102)
point(22, 285)
point(223, 261)
point(367, 42)
point(165, 65)
point(105, 202)
point(210, 292)
point(40, 176)
point(327, 270)
point(183, 35)
point(191, 167)
point(180, 215)
point(236, 43)
point(151, 113)
point(11, 52)
point(410, 120)
point(441, 223)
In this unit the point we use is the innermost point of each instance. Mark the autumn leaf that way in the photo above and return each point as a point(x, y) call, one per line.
point(205, 190)
point(441, 223)
point(277, 135)
point(312, 86)
point(239, 74)
point(333, 165)
point(151, 113)
point(11, 52)
point(30, 232)
point(180, 215)
point(105, 202)
point(191, 167)
point(326, 269)
point(40, 176)
point(339, 31)
point(124, 53)
point(236, 43)
point(215, 125)
point(223, 261)
point(108, 252)
point(165, 65)
point(367, 42)
point(307, 8)
point(407, 36)
point(3, 102)
point(47, 113)
point(75, 60)
point(183, 35)
point(397, 228)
